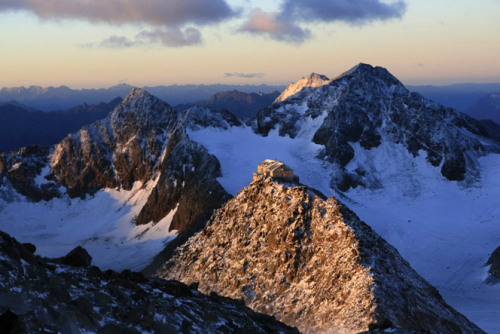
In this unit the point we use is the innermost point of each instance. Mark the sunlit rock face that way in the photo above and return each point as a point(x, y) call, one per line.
point(288, 251)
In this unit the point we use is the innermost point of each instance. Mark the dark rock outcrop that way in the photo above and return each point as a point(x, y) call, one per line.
point(11, 323)
point(77, 257)
point(19, 170)
point(30, 247)
point(289, 252)
point(494, 263)
point(40, 296)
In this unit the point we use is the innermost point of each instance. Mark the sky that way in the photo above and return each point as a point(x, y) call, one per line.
point(101, 43)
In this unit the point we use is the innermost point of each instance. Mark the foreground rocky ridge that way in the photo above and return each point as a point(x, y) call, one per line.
point(40, 295)
point(369, 106)
point(289, 252)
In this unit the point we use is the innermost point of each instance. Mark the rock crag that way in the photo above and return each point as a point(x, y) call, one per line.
point(289, 252)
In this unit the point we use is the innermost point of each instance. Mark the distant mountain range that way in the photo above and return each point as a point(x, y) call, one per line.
point(458, 96)
point(23, 126)
point(486, 108)
point(57, 98)
point(242, 100)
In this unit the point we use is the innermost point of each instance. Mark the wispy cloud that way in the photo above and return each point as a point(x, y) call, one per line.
point(151, 12)
point(244, 75)
point(115, 42)
point(168, 36)
point(285, 24)
point(271, 24)
point(171, 36)
point(166, 18)
point(352, 11)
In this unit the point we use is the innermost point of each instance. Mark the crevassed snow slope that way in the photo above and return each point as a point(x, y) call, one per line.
point(444, 230)
point(102, 224)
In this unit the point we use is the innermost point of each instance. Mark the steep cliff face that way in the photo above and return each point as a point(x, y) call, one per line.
point(289, 252)
point(187, 184)
point(42, 295)
point(369, 106)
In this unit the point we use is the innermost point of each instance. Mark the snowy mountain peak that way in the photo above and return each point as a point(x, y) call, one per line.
point(143, 114)
point(363, 73)
point(366, 107)
point(137, 93)
point(141, 102)
point(312, 80)
point(314, 77)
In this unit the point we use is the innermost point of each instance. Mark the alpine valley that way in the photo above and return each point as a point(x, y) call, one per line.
point(391, 228)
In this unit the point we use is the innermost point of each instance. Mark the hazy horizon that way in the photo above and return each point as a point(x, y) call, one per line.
point(263, 83)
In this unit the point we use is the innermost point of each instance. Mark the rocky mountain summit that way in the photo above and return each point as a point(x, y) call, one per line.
point(313, 80)
point(367, 106)
point(41, 295)
point(288, 251)
point(142, 143)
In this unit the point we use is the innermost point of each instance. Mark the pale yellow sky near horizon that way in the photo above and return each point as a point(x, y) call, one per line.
point(436, 42)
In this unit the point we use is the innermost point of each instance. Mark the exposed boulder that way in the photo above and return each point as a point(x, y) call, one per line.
point(11, 323)
point(494, 262)
point(30, 247)
point(77, 257)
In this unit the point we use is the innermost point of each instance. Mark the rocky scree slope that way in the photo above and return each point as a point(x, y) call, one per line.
point(369, 106)
point(312, 80)
point(288, 251)
point(40, 295)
